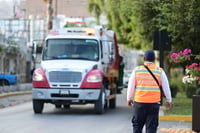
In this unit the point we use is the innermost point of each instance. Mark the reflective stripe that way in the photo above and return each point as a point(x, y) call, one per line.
point(145, 71)
point(147, 88)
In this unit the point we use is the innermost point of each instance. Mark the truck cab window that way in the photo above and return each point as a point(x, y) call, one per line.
point(71, 49)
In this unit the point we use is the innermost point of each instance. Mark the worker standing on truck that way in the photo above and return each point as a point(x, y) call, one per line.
point(144, 94)
point(121, 75)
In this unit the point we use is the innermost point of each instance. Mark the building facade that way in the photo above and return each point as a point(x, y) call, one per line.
point(26, 23)
point(68, 8)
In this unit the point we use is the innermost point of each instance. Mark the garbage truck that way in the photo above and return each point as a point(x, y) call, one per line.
point(78, 66)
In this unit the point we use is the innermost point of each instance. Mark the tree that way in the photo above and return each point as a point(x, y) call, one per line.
point(49, 4)
point(96, 6)
point(135, 21)
point(122, 16)
point(183, 23)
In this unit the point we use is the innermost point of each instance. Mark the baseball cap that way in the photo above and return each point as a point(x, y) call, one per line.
point(149, 55)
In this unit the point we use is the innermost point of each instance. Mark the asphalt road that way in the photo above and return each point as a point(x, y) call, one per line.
point(19, 118)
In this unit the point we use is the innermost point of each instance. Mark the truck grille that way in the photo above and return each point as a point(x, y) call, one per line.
point(65, 76)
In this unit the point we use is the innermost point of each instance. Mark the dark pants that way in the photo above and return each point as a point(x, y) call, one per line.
point(145, 114)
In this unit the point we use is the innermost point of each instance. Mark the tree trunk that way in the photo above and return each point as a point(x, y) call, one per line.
point(49, 14)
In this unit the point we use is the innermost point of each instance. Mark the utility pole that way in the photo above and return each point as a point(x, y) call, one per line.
point(49, 13)
point(162, 41)
point(56, 7)
point(161, 50)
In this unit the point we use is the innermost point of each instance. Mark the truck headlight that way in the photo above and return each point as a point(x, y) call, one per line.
point(94, 78)
point(38, 77)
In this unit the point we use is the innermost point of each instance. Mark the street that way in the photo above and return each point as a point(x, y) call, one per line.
point(21, 119)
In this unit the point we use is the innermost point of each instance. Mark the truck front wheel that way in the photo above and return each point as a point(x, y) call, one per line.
point(4, 82)
point(38, 106)
point(99, 105)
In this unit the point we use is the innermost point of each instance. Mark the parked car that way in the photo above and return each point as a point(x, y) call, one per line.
point(127, 75)
point(8, 79)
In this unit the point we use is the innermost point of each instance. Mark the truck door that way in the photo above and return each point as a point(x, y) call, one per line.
point(37, 47)
point(107, 54)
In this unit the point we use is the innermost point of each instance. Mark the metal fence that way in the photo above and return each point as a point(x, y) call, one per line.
point(16, 36)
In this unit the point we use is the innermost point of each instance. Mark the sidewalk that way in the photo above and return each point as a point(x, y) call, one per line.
point(15, 88)
point(174, 127)
point(15, 94)
point(174, 123)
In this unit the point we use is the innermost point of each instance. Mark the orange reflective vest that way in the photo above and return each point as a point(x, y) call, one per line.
point(147, 90)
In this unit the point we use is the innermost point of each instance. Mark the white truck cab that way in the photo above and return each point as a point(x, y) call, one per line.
point(78, 66)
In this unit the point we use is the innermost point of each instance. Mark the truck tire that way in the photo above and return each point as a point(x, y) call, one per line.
point(100, 103)
point(112, 103)
point(67, 106)
point(38, 106)
point(58, 105)
point(4, 82)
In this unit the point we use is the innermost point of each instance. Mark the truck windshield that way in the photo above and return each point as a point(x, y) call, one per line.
point(86, 49)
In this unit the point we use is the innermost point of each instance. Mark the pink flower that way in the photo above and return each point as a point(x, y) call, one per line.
point(181, 56)
point(198, 68)
point(174, 56)
point(192, 65)
point(192, 70)
point(180, 53)
point(186, 52)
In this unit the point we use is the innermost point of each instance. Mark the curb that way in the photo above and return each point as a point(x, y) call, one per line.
point(15, 93)
point(184, 118)
point(176, 118)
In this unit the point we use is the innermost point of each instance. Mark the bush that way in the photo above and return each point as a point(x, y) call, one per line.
point(198, 91)
point(181, 105)
point(190, 90)
point(174, 89)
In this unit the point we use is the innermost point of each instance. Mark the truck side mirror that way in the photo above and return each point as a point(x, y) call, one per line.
point(111, 54)
point(39, 49)
point(111, 57)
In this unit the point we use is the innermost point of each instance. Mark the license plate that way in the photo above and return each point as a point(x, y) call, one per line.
point(64, 92)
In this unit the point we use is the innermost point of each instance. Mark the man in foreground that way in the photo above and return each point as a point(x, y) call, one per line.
point(144, 94)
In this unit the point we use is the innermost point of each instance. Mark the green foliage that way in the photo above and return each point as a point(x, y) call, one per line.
point(1, 48)
point(70, 25)
point(12, 49)
point(174, 89)
point(11, 41)
point(192, 89)
point(181, 19)
point(96, 6)
point(73, 25)
point(135, 21)
point(181, 105)
point(176, 79)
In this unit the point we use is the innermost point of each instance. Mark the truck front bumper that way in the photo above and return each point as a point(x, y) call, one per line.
point(65, 94)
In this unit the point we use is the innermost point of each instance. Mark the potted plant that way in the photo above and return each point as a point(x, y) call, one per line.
point(192, 70)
